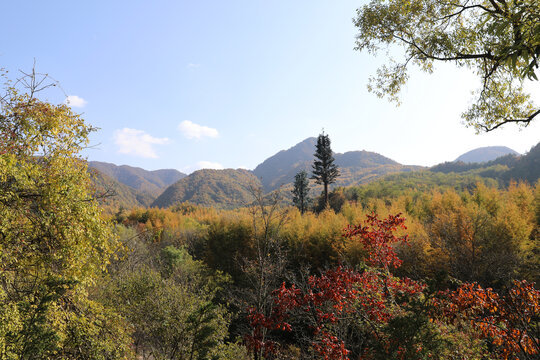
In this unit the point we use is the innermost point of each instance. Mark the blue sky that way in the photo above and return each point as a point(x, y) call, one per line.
point(191, 84)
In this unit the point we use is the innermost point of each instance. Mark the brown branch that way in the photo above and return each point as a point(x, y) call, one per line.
point(459, 56)
point(527, 121)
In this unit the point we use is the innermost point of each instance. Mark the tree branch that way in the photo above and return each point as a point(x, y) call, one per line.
point(527, 121)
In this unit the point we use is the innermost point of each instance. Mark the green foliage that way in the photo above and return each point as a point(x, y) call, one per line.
point(419, 182)
point(226, 243)
point(527, 168)
point(170, 305)
point(230, 351)
point(54, 244)
point(301, 191)
point(498, 40)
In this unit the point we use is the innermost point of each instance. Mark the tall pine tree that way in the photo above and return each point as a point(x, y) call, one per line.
point(300, 191)
point(325, 171)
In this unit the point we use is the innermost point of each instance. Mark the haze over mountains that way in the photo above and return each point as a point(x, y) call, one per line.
point(230, 187)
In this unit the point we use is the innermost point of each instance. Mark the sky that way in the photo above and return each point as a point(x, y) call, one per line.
point(226, 84)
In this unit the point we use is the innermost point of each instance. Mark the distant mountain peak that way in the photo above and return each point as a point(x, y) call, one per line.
point(280, 168)
point(151, 182)
point(484, 154)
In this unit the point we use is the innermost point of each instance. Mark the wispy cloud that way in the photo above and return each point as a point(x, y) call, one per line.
point(196, 131)
point(75, 101)
point(193, 66)
point(137, 142)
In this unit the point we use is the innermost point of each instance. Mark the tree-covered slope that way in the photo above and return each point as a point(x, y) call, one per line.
point(458, 176)
point(113, 194)
point(527, 167)
point(516, 167)
point(151, 182)
point(227, 188)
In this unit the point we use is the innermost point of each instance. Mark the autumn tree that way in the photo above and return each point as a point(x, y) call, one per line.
point(509, 322)
point(54, 244)
point(497, 39)
point(324, 171)
point(300, 191)
point(339, 309)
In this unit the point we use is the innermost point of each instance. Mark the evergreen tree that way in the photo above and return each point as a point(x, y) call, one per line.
point(300, 191)
point(325, 171)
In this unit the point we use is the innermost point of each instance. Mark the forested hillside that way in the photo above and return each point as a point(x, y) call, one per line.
point(150, 182)
point(214, 188)
point(443, 225)
point(112, 194)
point(227, 188)
point(506, 168)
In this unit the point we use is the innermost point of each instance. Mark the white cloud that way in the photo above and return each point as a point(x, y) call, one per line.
point(209, 165)
point(193, 66)
point(137, 142)
point(75, 101)
point(192, 130)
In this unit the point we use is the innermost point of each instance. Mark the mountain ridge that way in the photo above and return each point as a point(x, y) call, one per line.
point(153, 182)
point(228, 188)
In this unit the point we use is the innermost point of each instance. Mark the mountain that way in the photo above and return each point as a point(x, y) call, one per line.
point(111, 193)
point(281, 167)
point(230, 188)
point(227, 188)
point(484, 154)
point(504, 168)
point(150, 182)
point(355, 166)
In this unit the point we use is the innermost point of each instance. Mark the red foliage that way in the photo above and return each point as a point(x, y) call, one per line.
point(510, 322)
point(378, 237)
point(341, 292)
